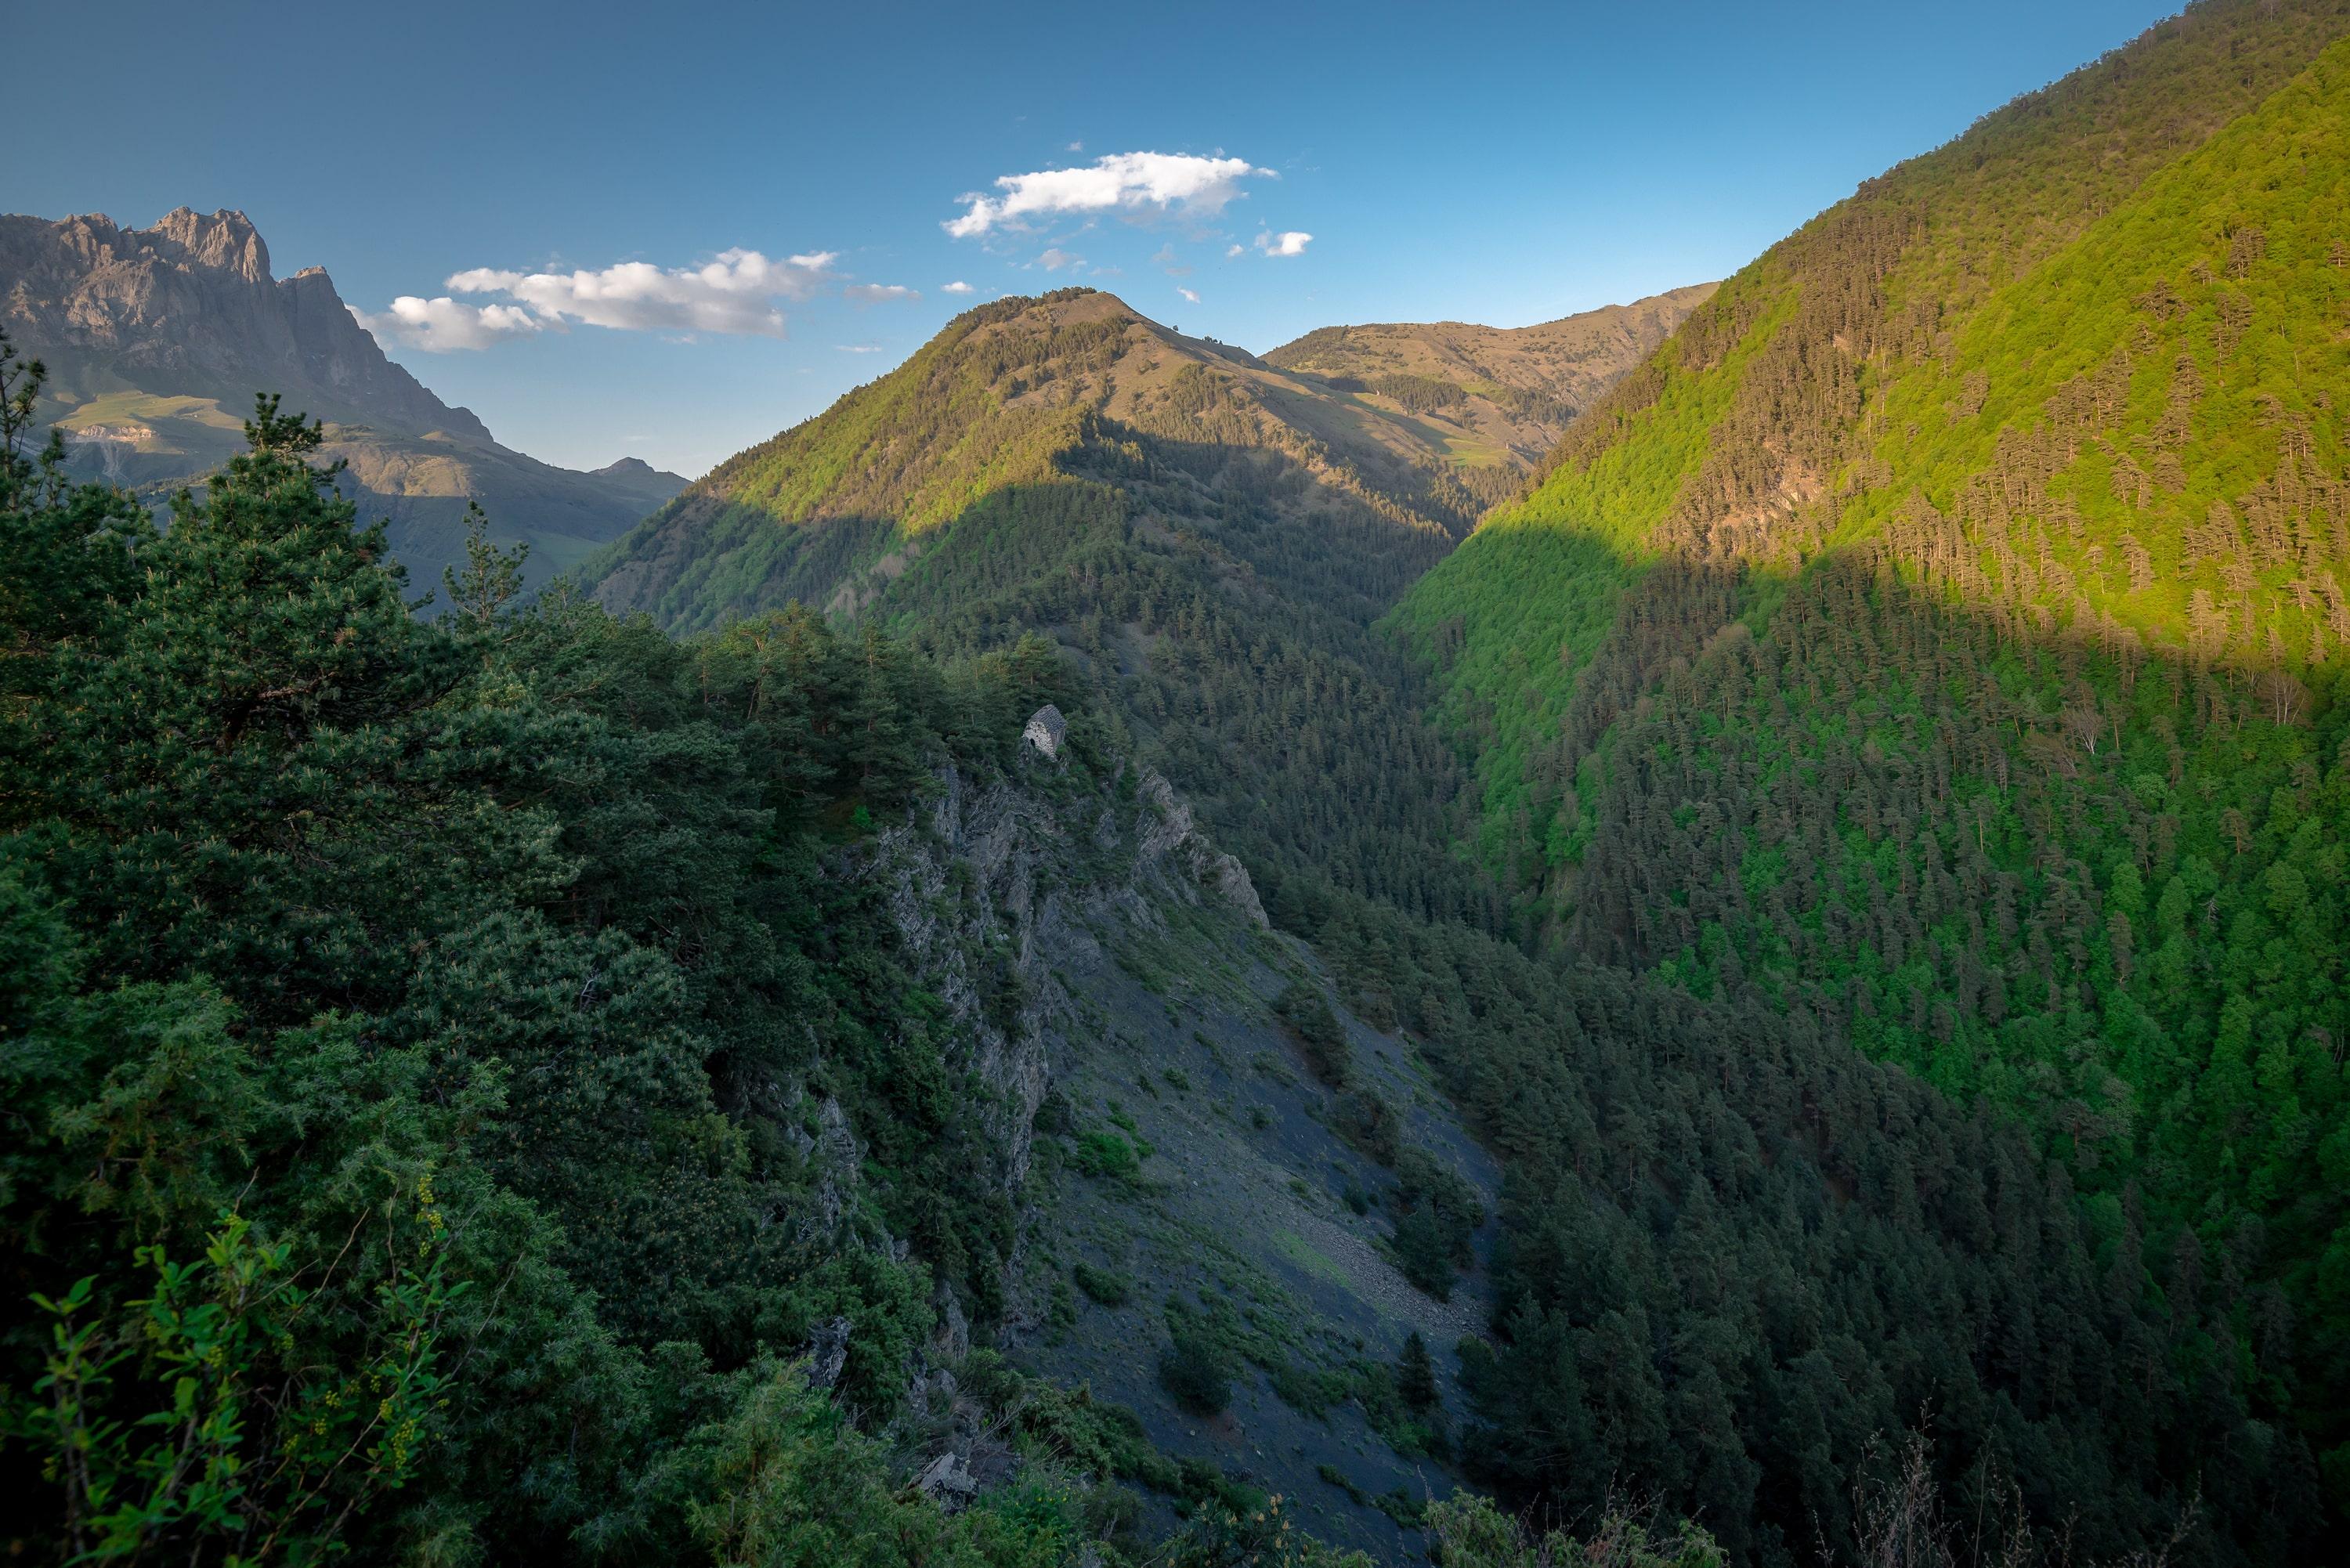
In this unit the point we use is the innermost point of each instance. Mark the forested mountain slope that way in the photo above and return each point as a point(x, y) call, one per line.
point(1942, 637)
point(1212, 539)
point(1734, 1252)
point(1002, 396)
point(156, 341)
point(518, 1088)
point(1503, 395)
point(606, 1098)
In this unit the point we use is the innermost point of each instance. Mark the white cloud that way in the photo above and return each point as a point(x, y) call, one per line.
point(1056, 258)
point(1166, 260)
point(1231, 250)
point(441, 325)
point(1077, 147)
point(735, 293)
point(858, 347)
point(1292, 243)
point(1138, 183)
point(880, 293)
point(1188, 294)
point(957, 286)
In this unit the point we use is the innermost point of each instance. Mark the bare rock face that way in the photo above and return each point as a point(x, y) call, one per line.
point(157, 340)
point(947, 1480)
point(1176, 835)
point(189, 308)
point(828, 1352)
point(1047, 730)
point(997, 892)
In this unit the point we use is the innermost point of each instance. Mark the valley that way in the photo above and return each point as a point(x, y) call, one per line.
point(1710, 931)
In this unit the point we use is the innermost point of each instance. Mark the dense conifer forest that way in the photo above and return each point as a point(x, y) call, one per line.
point(411, 1030)
point(1861, 839)
point(1953, 664)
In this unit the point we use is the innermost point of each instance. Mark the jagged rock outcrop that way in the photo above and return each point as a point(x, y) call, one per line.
point(189, 308)
point(998, 889)
point(828, 1352)
point(1174, 835)
point(156, 340)
point(1045, 730)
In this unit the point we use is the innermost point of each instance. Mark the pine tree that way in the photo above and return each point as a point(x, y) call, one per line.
point(1415, 1372)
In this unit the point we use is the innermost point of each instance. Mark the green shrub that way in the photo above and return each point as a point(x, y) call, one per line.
point(1365, 1119)
point(1196, 1373)
point(1308, 1012)
point(1305, 1391)
point(1099, 1153)
point(1106, 1286)
point(187, 1422)
point(1421, 1254)
point(1469, 1530)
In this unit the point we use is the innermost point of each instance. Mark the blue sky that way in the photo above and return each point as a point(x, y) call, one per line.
point(1494, 163)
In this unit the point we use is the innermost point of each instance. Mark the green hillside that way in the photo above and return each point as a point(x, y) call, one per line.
point(1942, 638)
point(1087, 962)
point(1004, 396)
point(1209, 539)
point(795, 1121)
point(1926, 343)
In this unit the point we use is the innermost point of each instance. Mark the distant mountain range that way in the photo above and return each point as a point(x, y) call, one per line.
point(157, 340)
point(1739, 899)
point(1024, 391)
point(1211, 537)
point(1501, 395)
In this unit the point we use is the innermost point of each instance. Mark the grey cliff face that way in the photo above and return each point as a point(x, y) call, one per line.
point(997, 883)
point(191, 308)
point(156, 340)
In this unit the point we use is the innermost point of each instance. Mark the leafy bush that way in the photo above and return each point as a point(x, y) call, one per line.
point(1196, 1372)
point(179, 1424)
point(1365, 1118)
point(1472, 1533)
point(1306, 1391)
point(1306, 1011)
point(1106, 1286)
point(1099, 1152)
point(1423, 1253)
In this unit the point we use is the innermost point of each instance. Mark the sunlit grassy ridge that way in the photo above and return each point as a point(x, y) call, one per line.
point(1998, 285)
point(1941, 643)
point(918, 445)
point(2160, 398)
point(1514, 614)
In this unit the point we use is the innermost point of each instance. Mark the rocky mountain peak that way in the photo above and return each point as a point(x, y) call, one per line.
point(224, 241)
point(157, 340)
point(189, 307)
